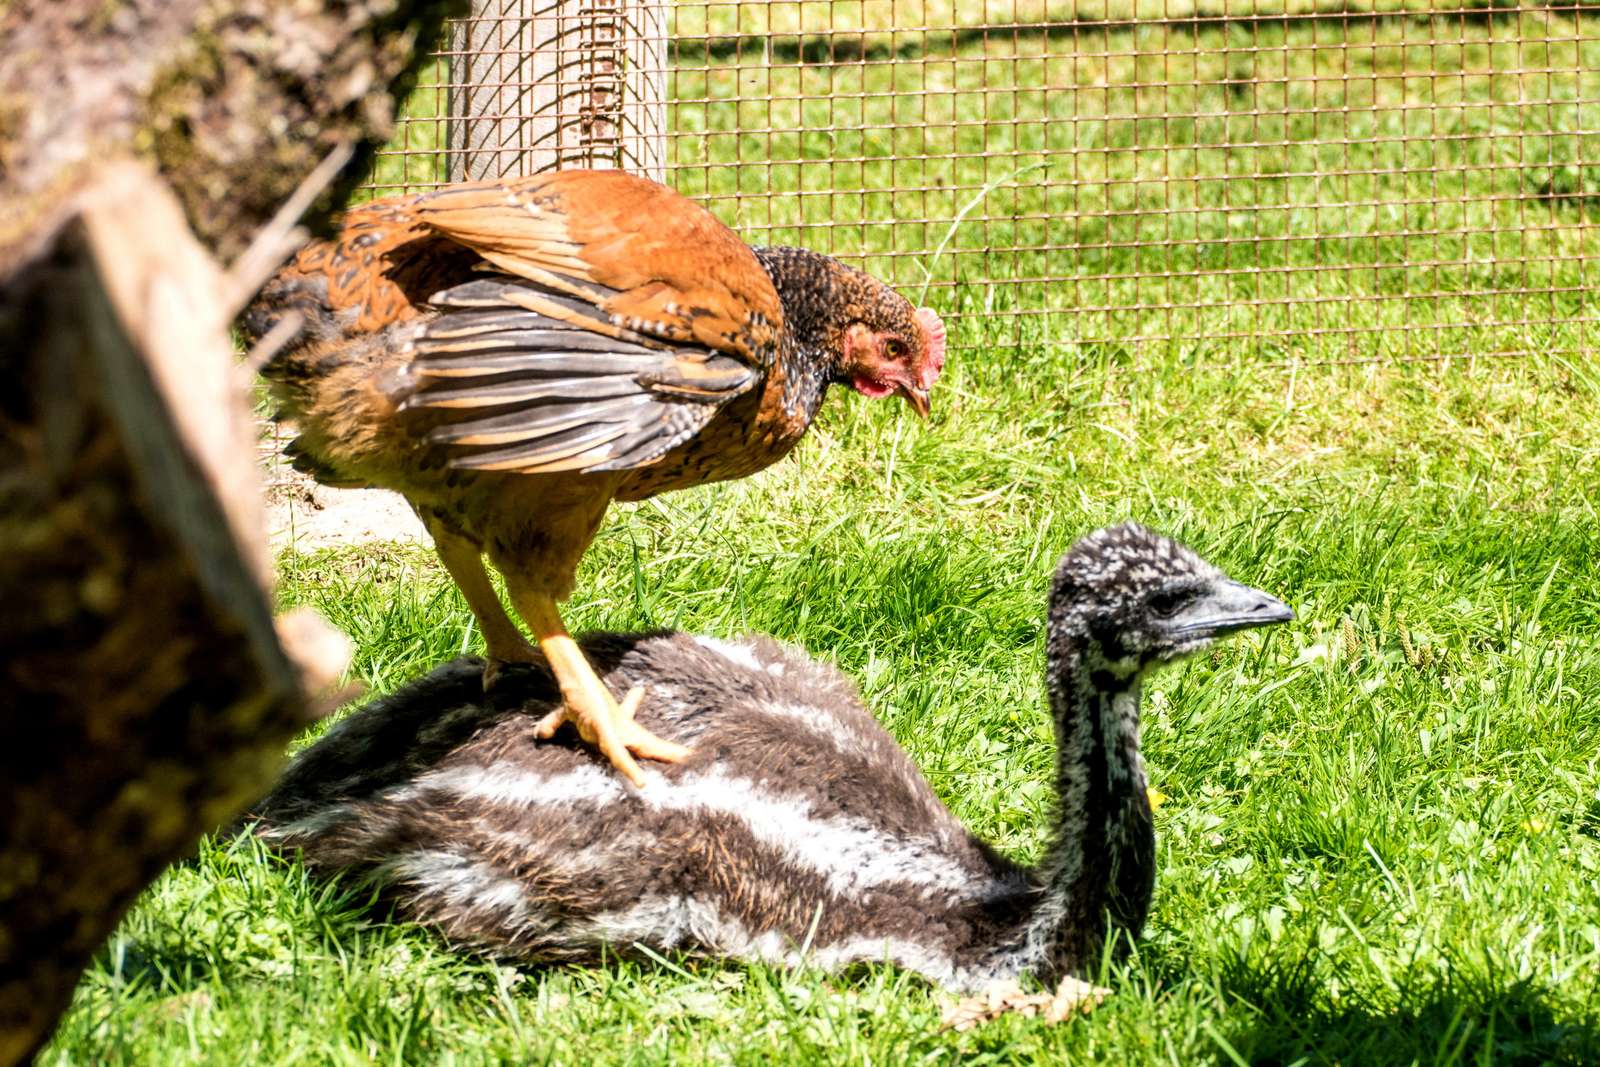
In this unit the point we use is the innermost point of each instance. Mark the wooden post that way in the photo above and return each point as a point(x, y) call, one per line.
point(146, 691)
point(543, 84)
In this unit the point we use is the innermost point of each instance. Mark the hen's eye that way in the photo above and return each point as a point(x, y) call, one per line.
point(895, 349)
point(1167, 601)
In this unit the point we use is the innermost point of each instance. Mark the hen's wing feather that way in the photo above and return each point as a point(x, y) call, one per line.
point(647, 259)
point(628, 317)
point(540, 391)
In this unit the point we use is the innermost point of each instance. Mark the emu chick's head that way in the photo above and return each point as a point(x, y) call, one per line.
point(1130, 600)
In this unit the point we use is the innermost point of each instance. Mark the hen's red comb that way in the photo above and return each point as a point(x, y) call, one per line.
point(933, 326)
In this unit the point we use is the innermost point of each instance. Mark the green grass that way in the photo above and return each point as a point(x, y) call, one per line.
point(1381, 842)
point(1381, 837)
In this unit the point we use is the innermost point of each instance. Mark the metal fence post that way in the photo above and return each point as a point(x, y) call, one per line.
point(541, 84)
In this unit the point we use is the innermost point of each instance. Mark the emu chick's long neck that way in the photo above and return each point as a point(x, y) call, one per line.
point(1098, 874)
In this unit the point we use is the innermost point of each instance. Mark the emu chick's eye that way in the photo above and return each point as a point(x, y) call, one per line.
point(1166, 601)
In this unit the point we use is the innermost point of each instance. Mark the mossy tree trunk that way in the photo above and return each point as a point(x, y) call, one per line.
point(146, 692)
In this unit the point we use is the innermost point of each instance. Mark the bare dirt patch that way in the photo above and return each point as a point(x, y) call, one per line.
point(305, 516)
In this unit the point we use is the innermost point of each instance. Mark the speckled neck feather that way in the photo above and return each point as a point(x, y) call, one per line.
point(1100, 867)
point(821, 297)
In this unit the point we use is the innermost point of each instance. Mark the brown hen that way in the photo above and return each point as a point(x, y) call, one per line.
point(511, 356)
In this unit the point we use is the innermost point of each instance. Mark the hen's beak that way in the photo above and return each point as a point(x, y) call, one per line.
point(917, 398)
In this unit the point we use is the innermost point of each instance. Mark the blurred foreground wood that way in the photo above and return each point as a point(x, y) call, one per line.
point(146, 692)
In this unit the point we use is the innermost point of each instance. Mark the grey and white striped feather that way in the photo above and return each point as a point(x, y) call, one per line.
point(797, 823)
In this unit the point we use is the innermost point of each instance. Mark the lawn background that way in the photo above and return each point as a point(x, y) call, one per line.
point(1380, 841)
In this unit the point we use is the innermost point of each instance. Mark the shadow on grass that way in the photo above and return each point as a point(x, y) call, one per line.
point(1286, 1015)
point(1265, 1013)
point(243, 935)
point(853, 45)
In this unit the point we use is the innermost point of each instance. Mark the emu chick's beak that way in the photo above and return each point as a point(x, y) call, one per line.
point(917, 398)
point(1229, 607)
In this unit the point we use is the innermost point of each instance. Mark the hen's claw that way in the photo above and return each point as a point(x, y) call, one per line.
point(610, 727)
point(494, 666)
point(491, 674)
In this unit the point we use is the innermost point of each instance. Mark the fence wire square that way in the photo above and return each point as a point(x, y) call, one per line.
point(1273, 179)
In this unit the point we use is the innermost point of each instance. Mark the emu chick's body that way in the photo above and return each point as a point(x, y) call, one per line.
point(513, 355)
point(796, 822)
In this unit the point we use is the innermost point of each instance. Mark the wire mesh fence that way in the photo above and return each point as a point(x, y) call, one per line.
point(1266, 179)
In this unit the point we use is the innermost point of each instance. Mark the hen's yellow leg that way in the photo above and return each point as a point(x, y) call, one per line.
point(587, 704)
point(503, 641)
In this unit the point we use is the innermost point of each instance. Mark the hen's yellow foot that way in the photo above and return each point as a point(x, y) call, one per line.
point(610, 727)
point(586, 702)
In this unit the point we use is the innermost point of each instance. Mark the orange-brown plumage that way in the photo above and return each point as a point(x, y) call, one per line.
point(513, 355)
